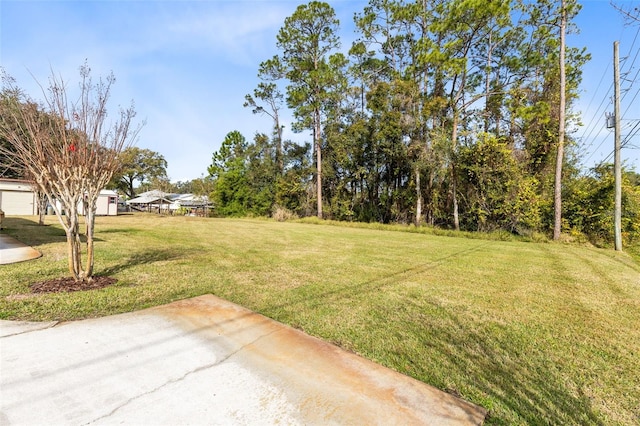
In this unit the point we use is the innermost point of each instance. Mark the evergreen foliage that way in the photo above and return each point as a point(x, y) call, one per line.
point(444, 113)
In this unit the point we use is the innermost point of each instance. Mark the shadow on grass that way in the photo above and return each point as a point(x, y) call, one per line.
point(128, 231)
point(527, 385)
point(146, 257)
point(487, 361)
point(29, 232)
point(33, 234)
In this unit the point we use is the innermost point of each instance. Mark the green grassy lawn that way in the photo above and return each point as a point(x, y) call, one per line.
point(537, 333)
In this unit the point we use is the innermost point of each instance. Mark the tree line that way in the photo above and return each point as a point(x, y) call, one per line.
point(451, 113)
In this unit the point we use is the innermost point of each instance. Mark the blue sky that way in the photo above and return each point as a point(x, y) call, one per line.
point(188, 64)
point(600, 25)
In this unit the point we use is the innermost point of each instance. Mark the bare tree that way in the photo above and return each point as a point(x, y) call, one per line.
point(69, 151)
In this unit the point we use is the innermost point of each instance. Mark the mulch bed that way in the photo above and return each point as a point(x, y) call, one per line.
point(66, 284)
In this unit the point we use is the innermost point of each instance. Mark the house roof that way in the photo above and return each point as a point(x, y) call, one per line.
point(158, 197)
point(149, 199)
point(3, 179)
point(195, 203)
point(154, 193)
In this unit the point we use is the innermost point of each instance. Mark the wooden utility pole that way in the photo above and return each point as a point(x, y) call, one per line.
point(616, 152)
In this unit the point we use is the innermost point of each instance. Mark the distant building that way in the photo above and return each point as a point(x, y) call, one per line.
point(151, 201)
point(168, 203)
point(106, 204)
point(17, 198)
point(190, 204)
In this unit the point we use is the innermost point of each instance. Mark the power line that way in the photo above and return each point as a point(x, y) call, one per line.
point(595, 120)
point(631, 103)
point(634, 131)
point(635, 77)
point(624, 60)
point(593, 98)
point(625, 142)
point(593, 125)
point(598, 88)
point(595, 150)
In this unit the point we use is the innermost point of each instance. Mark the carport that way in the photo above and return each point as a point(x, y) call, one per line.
point(150, 203)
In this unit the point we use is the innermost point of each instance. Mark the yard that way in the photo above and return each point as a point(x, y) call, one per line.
point(537, 333)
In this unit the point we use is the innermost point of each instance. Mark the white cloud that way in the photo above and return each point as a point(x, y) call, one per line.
point(230, 30)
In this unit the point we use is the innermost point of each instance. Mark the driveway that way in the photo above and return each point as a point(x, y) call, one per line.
point(203, 361)
point(12, 250)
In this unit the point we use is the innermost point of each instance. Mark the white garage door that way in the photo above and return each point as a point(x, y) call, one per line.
point(17, 203)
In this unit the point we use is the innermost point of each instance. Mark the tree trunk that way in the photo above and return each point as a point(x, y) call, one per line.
point(69, 220)
point(130, 190)
point(90, 220)
point(430, 208)
point(419, 199)
point(279, 155)
point(316, 136)
point(74, 247)
point(77, 247)
point(487, 86)
point(454, 137)
point(557, 193)
point(71, 253)
point(456, 219)
point(42, 207)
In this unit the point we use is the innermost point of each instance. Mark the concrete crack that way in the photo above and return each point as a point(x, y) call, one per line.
point(181, 378)
point(23, 328)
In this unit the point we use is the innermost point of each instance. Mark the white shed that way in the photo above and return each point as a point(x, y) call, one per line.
point(106, 204)
point(17, 198)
